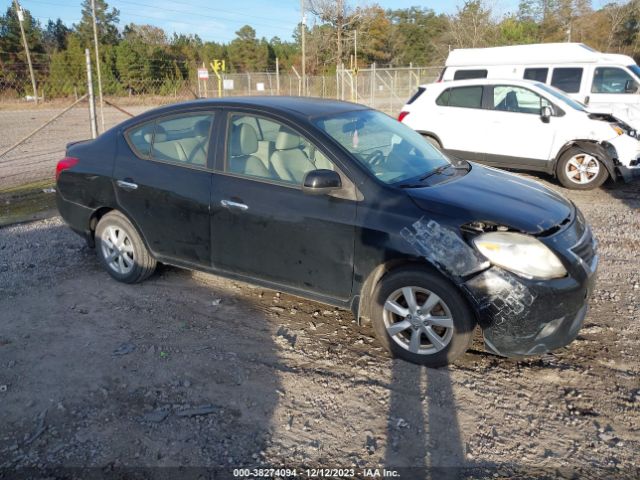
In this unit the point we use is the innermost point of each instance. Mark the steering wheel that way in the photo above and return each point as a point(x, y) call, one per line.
point(376, 158)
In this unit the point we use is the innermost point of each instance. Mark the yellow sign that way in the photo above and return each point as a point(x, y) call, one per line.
point(218, 66)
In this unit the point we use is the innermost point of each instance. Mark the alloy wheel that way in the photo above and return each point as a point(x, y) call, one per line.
point(582, 168)
point(117, 250)
point(418, 320)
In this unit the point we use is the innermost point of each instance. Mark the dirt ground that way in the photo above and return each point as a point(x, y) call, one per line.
point(192, 370)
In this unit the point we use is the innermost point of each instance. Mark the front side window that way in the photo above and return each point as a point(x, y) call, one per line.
point(387, 148)
point(517, 99)
point(536, 74)
point(567, 79)
point(610, 80)
point(263, 148)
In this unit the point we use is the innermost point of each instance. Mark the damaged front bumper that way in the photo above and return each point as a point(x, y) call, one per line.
point(529, 317)
point(626, 152)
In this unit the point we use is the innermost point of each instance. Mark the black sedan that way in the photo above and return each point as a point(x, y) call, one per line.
point(338, 203)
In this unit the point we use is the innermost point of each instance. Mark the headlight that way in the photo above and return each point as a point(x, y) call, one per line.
point(520, 254)
point(617, 129)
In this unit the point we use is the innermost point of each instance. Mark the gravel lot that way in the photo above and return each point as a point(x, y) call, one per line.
point(189, 369)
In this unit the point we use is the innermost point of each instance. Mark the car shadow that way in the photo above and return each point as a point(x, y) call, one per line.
point(177, 371)
point(423, 433)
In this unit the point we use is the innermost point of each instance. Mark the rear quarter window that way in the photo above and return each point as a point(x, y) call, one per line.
point(415, 96)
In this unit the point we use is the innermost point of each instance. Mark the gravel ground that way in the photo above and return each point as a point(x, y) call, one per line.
point(189, 369)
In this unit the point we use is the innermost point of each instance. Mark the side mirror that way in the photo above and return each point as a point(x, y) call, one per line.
point(546, 113)
point(321, 182)
point(630, 86)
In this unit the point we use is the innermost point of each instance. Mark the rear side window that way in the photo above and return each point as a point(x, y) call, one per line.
point(140, 139)
point(464, 97)
point(416, 95)
point(469, 74)
point(182, 139)
point(567, 79)
point(536, 74)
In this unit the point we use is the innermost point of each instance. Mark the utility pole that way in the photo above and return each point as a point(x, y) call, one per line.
point(92, 100)
point(26, 48)
point(95, 40)
point(303, 27)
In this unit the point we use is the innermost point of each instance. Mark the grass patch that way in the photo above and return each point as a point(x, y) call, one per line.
point(27, 202)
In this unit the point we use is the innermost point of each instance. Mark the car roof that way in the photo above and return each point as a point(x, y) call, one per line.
point(300, 107)
point(483, 81)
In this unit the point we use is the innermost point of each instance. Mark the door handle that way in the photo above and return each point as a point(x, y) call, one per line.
point(127, 185)
point(229, 204)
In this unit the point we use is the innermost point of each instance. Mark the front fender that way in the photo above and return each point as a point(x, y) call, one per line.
point(600, 150)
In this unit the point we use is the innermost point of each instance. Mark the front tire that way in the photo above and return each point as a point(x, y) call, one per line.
point(121, 251)
point(580, 170)
point(421, 317)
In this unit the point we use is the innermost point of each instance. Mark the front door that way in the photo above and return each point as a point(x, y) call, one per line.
point(163, 181)
point(515, 133)
point(263, 226)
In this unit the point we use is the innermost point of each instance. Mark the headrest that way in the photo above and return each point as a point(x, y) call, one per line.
point(287, 141)
point(201, 128)
point(244, 140)
point(161, 134)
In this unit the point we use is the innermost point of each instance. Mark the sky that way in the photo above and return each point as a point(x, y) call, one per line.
point(218, 21)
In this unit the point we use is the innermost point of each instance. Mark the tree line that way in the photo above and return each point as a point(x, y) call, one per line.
point(145, 59)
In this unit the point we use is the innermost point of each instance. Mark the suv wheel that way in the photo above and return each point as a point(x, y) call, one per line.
point(580, 170)
point(420, 317)
point(121, 251)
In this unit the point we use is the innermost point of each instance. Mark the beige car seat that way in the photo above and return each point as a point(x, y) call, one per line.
point(243, 144)
point(289, 161)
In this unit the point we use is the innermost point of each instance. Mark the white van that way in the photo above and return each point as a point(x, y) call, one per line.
point(606, 83)
point(524, 125)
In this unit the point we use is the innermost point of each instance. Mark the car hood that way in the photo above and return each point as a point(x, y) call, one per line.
point(490, 195)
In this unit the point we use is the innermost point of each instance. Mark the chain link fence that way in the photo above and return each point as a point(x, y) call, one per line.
point(32, 161)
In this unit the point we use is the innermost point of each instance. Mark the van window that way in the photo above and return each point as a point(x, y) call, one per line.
point(465, 97)
point(610, 80)
point(469, 74)
point(567, 79)
point(536, 74)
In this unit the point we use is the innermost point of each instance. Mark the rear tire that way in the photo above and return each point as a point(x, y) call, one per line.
point(121, 251)
point(579, 169)
point(433, 329)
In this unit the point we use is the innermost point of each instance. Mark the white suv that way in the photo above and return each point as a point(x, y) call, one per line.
point(524, 125)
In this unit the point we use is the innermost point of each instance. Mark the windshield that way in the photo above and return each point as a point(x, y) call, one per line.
point(561, 96)
point(390, 150)
point(635, 69)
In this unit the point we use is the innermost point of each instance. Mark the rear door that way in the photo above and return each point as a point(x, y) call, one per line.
point(162, 180)
point(263, 226)
point(457, 121)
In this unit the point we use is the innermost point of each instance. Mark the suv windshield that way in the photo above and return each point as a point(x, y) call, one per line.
point(390, 150)
point(561, 96)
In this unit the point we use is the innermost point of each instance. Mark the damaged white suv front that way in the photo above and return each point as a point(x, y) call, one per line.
point(525, 125)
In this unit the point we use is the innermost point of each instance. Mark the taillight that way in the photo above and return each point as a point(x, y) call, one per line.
point(402, 116)
point(65, 163)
